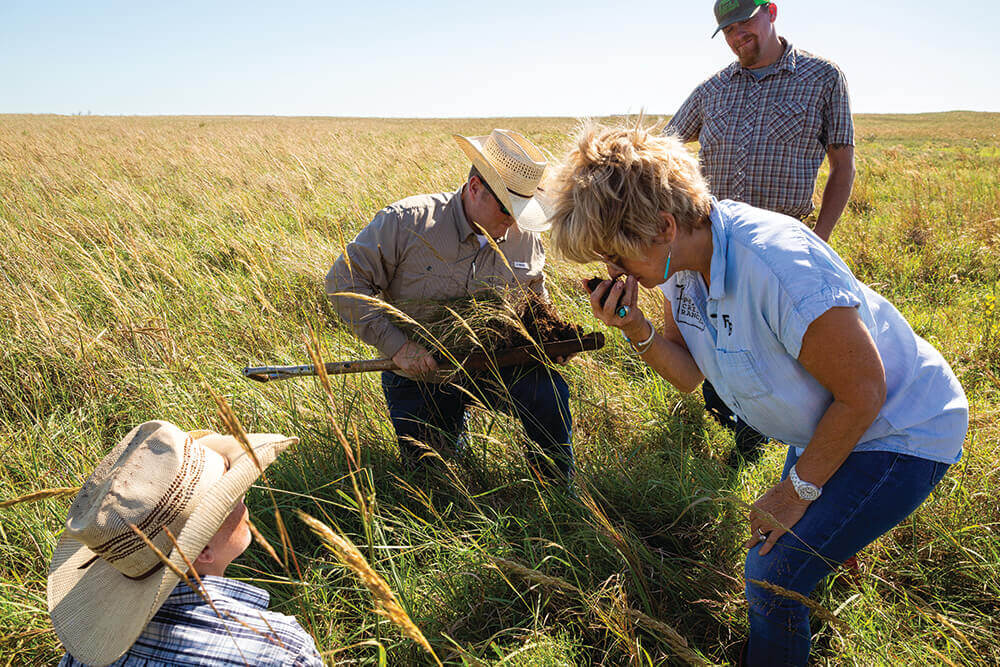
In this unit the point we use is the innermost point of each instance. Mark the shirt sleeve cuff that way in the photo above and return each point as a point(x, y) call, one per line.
point(809, 309)
point(392, 342)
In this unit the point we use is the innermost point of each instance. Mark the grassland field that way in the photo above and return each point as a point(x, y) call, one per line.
point(144, 261)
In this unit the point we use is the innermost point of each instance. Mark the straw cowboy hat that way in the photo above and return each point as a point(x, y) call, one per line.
point(105, 583)
point(513, 168)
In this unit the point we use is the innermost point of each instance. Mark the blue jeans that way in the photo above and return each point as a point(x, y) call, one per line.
point(435, 414)
point(867, 496)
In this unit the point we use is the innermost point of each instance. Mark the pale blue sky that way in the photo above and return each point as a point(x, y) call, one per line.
point(438, 59)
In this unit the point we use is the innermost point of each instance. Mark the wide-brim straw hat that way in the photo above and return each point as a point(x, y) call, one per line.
point(105, 583)
point(513, 168)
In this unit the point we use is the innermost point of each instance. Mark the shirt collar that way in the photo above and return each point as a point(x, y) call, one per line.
point(457, 211)
point(786, 61)
point(788, 58)
point(218, 587)
point(720, 246)
point(462, 223)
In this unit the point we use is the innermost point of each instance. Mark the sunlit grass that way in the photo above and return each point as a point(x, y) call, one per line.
point(145, 261)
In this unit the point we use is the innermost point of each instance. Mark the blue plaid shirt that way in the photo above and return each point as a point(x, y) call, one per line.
point(186, 631)
point(763, 140)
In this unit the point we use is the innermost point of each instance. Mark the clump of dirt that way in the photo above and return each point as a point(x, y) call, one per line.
point(542, 322)
point(492, 321)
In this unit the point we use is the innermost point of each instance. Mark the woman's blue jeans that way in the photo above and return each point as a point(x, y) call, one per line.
point(868, 495)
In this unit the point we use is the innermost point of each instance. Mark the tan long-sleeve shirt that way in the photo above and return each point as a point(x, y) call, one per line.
point(420, 250)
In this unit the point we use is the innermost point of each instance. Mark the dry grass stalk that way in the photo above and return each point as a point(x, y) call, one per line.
point(958, 633)
point(924, 609)
point(163, 559)
point(534, 576)
point(262, 541)
point(622, 543)
point(194, 573)
point(775, 524)
point(42, 494)
point(398, 316)
point(941, 657)
point(385, 600)
point(234, 427)
point(819, 609)
point(286, 540)
point(203, 592)
point(673, 638)
point(312, 346)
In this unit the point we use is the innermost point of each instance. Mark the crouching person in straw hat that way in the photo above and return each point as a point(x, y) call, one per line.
point(434, 247)
point(112, 598)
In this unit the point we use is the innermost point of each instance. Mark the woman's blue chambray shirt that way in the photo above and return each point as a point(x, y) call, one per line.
point(771, 277)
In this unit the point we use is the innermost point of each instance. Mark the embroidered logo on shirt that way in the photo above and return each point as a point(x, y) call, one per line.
point(521, 265)
point(687, 311)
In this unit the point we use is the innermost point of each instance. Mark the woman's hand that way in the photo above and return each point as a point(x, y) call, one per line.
point(619, 294)
point(782, 504)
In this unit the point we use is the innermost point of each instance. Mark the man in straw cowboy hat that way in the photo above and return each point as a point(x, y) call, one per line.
point(764, 124)
point(430, 248)
point(111, 596)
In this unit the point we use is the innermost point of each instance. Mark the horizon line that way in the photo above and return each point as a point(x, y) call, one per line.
point(88, 114)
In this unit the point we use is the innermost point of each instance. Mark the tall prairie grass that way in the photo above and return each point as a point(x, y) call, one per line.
point(145, 261)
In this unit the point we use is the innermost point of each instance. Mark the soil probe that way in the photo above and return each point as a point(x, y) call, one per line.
point(475, 361)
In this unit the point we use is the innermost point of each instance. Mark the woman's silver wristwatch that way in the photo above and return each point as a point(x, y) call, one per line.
point(808, 492)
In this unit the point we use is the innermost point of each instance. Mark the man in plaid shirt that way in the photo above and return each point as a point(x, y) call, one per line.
point(764, 124)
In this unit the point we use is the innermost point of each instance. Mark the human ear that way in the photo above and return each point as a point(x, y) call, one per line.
point(668, 227)
point(476, 185)
point(207, 556)
point(772, 11)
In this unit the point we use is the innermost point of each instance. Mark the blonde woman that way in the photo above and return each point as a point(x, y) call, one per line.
point(804, 352)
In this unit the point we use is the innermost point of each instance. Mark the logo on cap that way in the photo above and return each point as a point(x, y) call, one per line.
point(727, 6)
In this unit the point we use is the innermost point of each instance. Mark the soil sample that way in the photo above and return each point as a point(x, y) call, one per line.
point(494, 320)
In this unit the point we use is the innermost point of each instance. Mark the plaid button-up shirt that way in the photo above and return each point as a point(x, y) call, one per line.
point(187, 631)
point(762, 141)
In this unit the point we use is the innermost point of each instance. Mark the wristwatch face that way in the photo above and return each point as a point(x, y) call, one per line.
point(807, 491)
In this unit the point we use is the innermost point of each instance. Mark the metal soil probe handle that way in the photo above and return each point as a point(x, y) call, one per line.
point(476, 361)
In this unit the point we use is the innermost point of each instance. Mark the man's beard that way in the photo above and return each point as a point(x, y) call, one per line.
point(749, 53)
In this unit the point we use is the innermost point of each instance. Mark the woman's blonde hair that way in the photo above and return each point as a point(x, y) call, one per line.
point(607, 195)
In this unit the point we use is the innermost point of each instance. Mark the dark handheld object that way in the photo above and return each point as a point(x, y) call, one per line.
point(593, 283)
point(476, 361)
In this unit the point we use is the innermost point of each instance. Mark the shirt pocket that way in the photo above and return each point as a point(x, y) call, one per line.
point(716, 122)
point(740, 373)
point(410, 284)
point(788, 122)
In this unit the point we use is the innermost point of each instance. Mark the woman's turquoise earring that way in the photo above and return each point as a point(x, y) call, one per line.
point(667, 270)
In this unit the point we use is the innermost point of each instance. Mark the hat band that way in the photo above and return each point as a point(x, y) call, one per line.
point(145, 575)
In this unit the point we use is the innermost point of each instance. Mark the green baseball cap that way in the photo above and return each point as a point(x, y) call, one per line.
point(728, 12)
